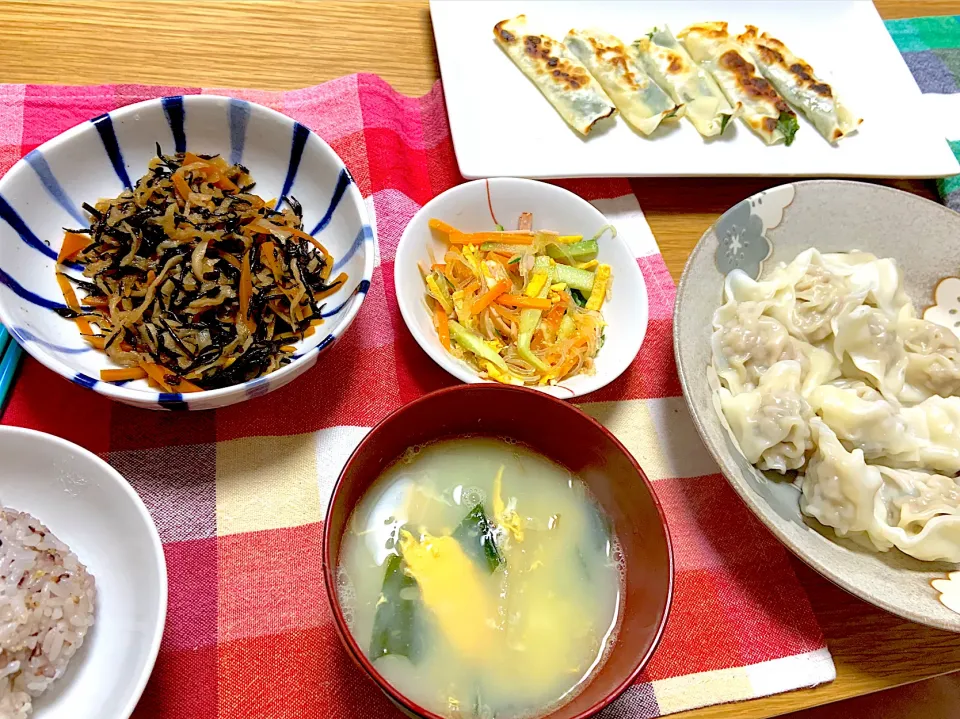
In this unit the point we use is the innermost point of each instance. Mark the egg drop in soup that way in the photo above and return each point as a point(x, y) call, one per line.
point(481, 579)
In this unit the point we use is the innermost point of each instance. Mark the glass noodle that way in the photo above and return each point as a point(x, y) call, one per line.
point(519, 306)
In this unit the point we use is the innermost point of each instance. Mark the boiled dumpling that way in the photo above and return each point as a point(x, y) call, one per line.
point(817, 364)
point(824, 367)
point(812, 305)
point(878, 280)
point(770, 422)
point(867, 346)
point(911, 510)
point(933, 359)
point(746, 343)
point(935, 424)
point(922, 514)
point(927, 435)
point(805, 296)
point(862, 419)
point(839, 488)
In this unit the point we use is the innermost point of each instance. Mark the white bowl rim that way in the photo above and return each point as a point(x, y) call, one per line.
point(460, 369)
point(155, 542)
point(140, 396)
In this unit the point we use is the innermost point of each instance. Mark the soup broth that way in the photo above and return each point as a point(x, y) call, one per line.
point(481, 579)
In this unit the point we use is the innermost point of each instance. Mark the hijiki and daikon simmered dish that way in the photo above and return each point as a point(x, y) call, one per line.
point(192, 282)
point(825, 369)
point(481, 579)
point(521, 307)
point(47, 600)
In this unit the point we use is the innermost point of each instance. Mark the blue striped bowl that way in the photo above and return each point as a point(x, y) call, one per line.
point(42, 193)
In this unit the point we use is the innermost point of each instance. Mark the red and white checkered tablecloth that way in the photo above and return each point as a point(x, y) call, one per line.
point(239, 494)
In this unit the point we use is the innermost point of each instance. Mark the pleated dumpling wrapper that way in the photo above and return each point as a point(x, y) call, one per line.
point(672, 68)
point(798, 83)
point(764, 111)
point(558, 74)
point(640, 101)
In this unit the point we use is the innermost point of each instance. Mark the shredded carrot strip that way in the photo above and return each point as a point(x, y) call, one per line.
point(441, 226)
point(471, 288)
point(316, 243)
point(212, 172)
point(268, 257)
point(310, 331)
point(246, 288)
point(476, 238)
point(73, 243)
point(70, 297)
point(340, 279)
point(120, 375)
point(181, 184)
point(440, 268)
point(443, 324)
point(490, 295)
point(536, 303)
point(158, 374)
point(289, 349)
point(184, 385)
point(554, 316)
point(569, 364)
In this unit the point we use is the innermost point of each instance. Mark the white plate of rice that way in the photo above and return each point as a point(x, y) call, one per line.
point(83, 583)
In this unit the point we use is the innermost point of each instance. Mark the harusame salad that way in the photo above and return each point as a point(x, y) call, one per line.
point(191, 281)
point(522, 306)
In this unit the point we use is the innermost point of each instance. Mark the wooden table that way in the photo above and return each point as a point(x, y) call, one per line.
point(293, 44)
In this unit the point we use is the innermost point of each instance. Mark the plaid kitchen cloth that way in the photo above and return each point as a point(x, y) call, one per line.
point(239, 494)
point(931, 48)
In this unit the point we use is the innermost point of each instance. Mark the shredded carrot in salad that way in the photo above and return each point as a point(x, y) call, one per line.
point(519, 306)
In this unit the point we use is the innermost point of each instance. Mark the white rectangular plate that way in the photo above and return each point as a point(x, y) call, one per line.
point(503, 126)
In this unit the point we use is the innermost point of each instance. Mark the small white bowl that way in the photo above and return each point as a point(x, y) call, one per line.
point(42, 193)
point(465, 207)
point(95, 512)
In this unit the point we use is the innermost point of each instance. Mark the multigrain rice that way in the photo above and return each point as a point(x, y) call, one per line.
point(46, 609)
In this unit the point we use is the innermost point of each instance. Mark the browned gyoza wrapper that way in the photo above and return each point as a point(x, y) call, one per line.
point(764, 111)
point(560, 76)
point(797, 82)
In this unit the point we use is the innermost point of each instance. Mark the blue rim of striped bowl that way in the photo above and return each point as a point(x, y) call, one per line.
point(175, 109)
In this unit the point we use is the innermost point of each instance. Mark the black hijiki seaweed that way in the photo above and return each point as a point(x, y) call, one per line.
point(123, 259)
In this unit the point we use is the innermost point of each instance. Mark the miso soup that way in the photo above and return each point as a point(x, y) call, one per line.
point(481, 579)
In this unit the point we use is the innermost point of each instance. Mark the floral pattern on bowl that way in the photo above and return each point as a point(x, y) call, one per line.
point(949, 590)
point(945, 310)
point(742, 243)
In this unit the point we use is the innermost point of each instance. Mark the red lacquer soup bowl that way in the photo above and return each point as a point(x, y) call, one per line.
point(575, 441)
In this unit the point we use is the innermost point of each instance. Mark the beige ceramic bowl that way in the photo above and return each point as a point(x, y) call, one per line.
point(755, 235)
